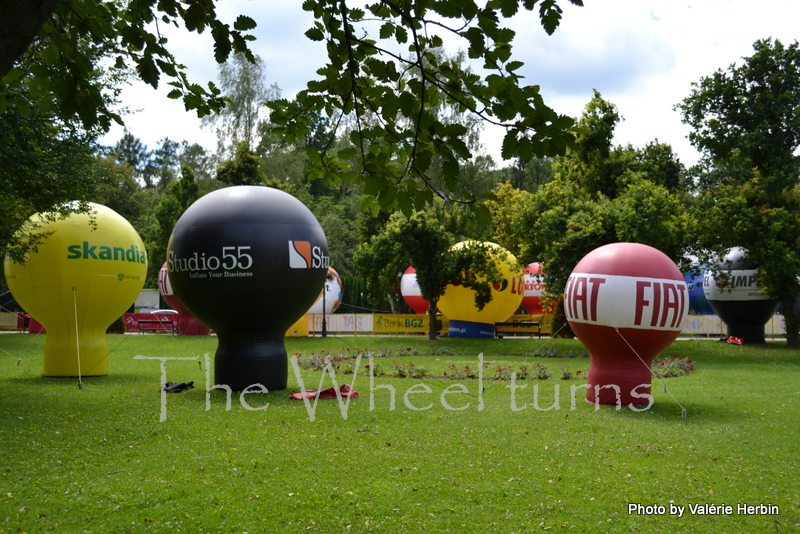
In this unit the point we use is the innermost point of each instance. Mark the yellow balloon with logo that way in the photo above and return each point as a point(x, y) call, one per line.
point(458, 302)
point(84, 276)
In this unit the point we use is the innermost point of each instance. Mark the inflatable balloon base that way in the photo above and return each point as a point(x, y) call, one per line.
point(624, 378)
point(61, 358)
point(241, 363)
point(470, 329)
point(750, 335)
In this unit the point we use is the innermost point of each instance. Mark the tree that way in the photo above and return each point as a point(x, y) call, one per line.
point(746, 122)
point(752, 110)
point(242, 83)
point(179, 196)
point(556, 226)
point(420, 241)
point(127, 33)
point(131, 150)
point(364, 78)
point(201, 162)
point(600, 194)
point(155, 167)
point(528, 175)
point(44, 165)
point(118, 189)
point(662, 166)
point(594, 161)
point(364, 73)
point(242, 169)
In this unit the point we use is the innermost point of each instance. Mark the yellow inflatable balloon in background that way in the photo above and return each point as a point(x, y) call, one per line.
point(83, 277)
point(458, 302)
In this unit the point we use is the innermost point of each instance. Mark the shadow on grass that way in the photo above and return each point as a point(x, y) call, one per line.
point(667, 410)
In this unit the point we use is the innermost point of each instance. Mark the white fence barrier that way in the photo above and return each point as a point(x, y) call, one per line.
point(348, 323)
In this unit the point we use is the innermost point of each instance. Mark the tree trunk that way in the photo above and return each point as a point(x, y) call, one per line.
point(20, 21)
point(432, 321)
point(792, 322)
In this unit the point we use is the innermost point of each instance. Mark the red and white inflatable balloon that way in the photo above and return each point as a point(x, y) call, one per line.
point(626, 302)
point(334, 292)
point(188, 324)
point(411, 292)
point(534, 287)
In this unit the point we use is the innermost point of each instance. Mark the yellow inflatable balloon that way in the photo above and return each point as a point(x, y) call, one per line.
point(458, 302)
point(83, 277)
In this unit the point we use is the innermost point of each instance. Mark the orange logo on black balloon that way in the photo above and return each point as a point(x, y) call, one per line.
point(299, 254)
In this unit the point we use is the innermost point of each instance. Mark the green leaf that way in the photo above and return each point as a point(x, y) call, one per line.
point(22, 106)
point(550, 16)
point(195, 17)
point(477, 45)
point(347, 153)
point(525, 149)
point(244, 23)
point(387, 30)
point(509, 149)
point(408, 104)
point(167, 67)
point(508, 7)
point(378, 69)
point(13, 75)
point(148, 71)
point(315, 34)
point(222, 46)
point(503, 52)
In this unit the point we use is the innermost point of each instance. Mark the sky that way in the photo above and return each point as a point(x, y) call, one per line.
point(641, 55)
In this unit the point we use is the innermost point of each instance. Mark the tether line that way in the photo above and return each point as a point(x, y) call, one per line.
point(77, 337)
point(683, 412)
point(552, 337)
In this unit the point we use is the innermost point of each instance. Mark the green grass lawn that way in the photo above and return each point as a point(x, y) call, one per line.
point(99, 460)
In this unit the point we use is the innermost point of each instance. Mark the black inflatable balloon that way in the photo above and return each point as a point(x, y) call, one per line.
point(742, 306)
point(248, 262)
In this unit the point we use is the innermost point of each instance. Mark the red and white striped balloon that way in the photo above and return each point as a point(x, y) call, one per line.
point(188, 324)
point(411, 292)
point(534, 287)
point(626, 302)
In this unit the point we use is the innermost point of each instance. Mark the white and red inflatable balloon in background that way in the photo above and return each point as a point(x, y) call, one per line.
point(334, 291)
point(534, 288)
point(411, 292)
point(626, 302)
point(188, 324)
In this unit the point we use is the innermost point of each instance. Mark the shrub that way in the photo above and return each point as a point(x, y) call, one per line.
point(566, 372)
point(672, 366)
point(410, 370)
point(540, 372)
